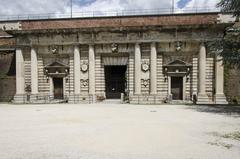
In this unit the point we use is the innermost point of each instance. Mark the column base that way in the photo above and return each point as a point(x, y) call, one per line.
point(74, 98)
point(92, 98)
point(80, 99)
point(202, 99)
point(220, 99)
point(33, 97)
point(19, 99)
point(146, 99)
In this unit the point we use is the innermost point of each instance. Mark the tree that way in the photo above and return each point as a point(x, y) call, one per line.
point(232, 6)
point(229, 46)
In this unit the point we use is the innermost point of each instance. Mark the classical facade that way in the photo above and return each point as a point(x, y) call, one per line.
point(140, 60)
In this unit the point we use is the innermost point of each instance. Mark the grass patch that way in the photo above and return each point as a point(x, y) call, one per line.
point(234, 135)
point(217, 143)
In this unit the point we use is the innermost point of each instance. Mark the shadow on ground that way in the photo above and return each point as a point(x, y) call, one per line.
point(231, 110)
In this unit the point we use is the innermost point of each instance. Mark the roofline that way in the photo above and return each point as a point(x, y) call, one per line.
point(115, 17)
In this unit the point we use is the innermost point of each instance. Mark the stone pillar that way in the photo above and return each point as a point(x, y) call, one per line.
point(153, 69)
point(169, 86)
point(34, 74)
point(219, 82)
point(76, 71)
point(20, 81)
point(137, 70)
point(51, 93)
point(91, 75)
point(202, 97)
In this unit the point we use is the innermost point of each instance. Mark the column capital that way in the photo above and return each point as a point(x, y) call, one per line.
point(76, 45)
point(137, 44)
point(153, 43)
point(91, 44)
point(202, 43)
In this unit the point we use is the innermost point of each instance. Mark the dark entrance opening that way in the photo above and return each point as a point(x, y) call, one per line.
point(115, 81)
point(177, 88)
point(58, 88)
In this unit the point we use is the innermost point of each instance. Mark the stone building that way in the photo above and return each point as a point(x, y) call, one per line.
point(139, 59)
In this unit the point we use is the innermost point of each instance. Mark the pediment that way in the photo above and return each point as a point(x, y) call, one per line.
point(57, 64)
point(178, 63)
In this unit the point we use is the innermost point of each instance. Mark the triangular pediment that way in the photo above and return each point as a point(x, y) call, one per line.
point(57, 64)
point(178, 63)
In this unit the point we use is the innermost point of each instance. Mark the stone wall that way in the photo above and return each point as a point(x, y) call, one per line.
point(163, 20)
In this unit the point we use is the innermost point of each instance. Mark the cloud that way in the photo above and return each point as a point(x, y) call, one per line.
point(16, 7)
point(202, 3)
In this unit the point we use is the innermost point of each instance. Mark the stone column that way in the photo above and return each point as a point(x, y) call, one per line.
point(20, 81)
point(169, 86)
point(51, 93)
point(91, 75)
point(153, 69)
point(76, 71)
point(219, 82)
point(137, 70)
point(202, 97)
point(34, 74)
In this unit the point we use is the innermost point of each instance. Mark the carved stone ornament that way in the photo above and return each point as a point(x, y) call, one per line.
point(54, 49)
point(84, 82)
point(114, 48)
point(145, 66)
point(145, 82)
point(178, 46)
point(84, 67)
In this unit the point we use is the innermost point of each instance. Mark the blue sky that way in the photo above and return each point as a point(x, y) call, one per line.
point(16, 7)
point(182, 3)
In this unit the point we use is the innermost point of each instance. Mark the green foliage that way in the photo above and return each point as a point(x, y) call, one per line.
point(228, 47)
point(230, 6)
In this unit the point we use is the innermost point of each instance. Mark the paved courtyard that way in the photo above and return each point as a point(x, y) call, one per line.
point(112, 131)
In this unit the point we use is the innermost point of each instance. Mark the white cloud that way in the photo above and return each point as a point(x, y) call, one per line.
point(202, 3)
point(15, 7)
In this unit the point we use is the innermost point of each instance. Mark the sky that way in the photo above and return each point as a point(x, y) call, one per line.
point(21, 7)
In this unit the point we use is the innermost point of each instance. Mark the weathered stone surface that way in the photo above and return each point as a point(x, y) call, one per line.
point(176, 37)
point(122, 22)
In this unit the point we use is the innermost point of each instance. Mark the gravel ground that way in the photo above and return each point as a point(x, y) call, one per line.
point(114, 131)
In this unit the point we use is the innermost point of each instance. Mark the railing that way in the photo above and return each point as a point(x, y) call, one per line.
point(110, 13)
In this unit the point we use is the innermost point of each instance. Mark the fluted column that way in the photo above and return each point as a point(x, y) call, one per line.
point(91, 77)
point(76, 70)
point(153, 69)
point(137, 71)
point(34, 72)
point(202, 96)
point(219, 82)
point(20, 81)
